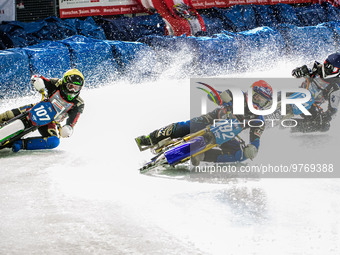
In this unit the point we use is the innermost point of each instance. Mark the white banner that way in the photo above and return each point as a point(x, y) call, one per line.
point(7, 10)
point(66, 4)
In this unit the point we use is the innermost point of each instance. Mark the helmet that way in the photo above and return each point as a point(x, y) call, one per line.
point(331, 67)
point(71, 84)
point(262, 95)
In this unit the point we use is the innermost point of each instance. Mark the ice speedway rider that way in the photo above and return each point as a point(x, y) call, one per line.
point(323, 80)
point(69, 87)
point(230, 151)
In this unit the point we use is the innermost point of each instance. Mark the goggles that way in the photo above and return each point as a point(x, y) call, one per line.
point(73, 88)
point(259, 100)
point(330, 69)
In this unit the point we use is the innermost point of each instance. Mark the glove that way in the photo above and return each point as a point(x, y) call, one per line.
point(317, 69)
point(38, 83)
point(66, 131)
point(250, 151)
point(301, 72)
point(225, 97)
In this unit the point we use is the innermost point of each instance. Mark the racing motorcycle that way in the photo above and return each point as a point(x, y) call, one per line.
point(171, 152)
point(48, 110)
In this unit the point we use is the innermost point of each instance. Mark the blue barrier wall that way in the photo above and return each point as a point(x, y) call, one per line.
point(311, 15)
point(135, 60)
point(216, 54)
point(14, 73)
point(309, 42)
point(213, 21)
point(259, 45)
point(264, 16)
point(234, 19)
point(332, 12)
point(285, 14)
point(20, 34)
point(335, 27)
point(131, 29)
point(102, 60)
point(50, 59)
point(180, 50)
point(239, 17)
point(93, 58)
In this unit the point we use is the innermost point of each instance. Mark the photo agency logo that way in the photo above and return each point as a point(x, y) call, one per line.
point(234, 111)
point(276, 106)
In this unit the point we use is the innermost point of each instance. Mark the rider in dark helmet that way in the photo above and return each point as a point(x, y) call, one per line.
point(325, 87)
point(230, 151)
point(69, 87)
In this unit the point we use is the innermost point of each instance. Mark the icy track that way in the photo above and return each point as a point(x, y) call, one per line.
point(87, 196)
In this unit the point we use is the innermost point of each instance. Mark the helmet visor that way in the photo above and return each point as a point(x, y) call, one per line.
point(73, 88)
point(330, 69)
point(260, 100)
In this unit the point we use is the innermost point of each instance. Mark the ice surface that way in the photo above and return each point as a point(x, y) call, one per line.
point(87, 196)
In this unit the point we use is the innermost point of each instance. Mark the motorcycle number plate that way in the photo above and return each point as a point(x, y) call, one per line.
point(42, 114)
point(226, 130)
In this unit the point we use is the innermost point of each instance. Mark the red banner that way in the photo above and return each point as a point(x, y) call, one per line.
point(83, 8)
point(97, 11)
point(205, 4)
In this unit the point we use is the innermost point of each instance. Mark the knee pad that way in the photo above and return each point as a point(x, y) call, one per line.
point(52, 142)
point(42, 143)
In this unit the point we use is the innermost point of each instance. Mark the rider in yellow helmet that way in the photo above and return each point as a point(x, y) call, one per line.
point(69, 87)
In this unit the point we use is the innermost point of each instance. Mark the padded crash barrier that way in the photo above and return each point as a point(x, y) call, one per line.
point(15, 34)
point(131, 29)
point(229, 49)
point(217, 54)
point(14, 73)
point(310, 42)
point(49, 59)
point(207, 22)
point(257, 46)
point(234, 19)
point(93, 58)
point(135, 60)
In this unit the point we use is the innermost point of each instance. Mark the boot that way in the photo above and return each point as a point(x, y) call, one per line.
point(195, 161)
point(143, 140)
point(18, 145)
